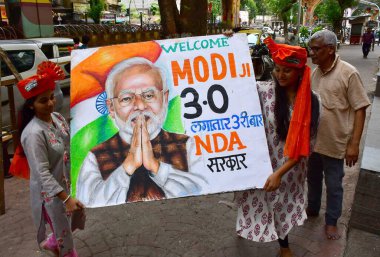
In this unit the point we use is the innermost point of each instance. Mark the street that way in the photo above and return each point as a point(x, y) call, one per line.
point(187, 227)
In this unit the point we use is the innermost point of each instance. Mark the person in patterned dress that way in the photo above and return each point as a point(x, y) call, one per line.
point(290, 111)
point(45, 140)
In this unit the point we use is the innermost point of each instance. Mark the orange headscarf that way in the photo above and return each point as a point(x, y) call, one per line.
point(298, 139)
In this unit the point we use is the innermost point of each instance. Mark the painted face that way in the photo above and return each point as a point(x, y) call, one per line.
point(319, 51)
point(138, 91)
point(44, 104)
point(286, 76)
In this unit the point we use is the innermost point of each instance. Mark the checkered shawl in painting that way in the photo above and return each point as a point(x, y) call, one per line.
point(167, 147)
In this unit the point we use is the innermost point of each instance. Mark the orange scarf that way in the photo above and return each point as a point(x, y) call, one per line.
point(298, 140)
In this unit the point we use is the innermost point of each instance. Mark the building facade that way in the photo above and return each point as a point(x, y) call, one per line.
point(75, 11)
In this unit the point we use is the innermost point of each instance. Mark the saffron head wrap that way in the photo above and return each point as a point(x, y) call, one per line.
point(287, 55)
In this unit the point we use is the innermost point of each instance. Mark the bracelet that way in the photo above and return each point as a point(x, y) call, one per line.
point(67, 198)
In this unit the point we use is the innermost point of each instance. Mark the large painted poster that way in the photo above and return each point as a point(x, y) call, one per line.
point(165, 119)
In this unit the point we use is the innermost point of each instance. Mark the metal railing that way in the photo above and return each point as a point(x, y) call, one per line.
point(8, 32)
point(78, 30)
point(71, 30)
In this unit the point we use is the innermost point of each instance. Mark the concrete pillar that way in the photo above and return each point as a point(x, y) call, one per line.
point(33, 18)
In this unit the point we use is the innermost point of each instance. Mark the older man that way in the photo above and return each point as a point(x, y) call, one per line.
point(142, 161)
point(344, 102)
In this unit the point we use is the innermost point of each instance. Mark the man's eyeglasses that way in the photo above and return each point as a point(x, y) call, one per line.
point(127, 97)
point(316, 49)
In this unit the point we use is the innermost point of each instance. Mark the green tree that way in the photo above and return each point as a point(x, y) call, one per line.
point(333, 11)
point(123, 8)
point(96, 8)
point(315, 29)
point(250, 6)
point(329, 11)
point(262, 7)
point(216, 9)
point(154, 9)
point(282, 9)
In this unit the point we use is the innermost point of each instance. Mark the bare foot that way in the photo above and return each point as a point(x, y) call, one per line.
point(332, 232)
point(285, 252)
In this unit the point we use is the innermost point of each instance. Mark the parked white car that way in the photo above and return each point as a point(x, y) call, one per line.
point(27, 54)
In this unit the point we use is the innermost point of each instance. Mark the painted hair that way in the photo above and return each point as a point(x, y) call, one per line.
point(126, 64)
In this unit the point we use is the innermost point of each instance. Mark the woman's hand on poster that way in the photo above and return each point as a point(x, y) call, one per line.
point(228, 33)
point(73, 204)
point(273, 182)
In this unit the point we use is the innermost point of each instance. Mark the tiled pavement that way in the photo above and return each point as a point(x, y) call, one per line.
point(190, 227)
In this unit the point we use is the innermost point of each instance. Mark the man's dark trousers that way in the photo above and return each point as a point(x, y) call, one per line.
point(366, 47)
point(332, 169)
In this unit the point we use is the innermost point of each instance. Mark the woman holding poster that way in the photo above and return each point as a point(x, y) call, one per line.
point(291, 112)
point(45, 139)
